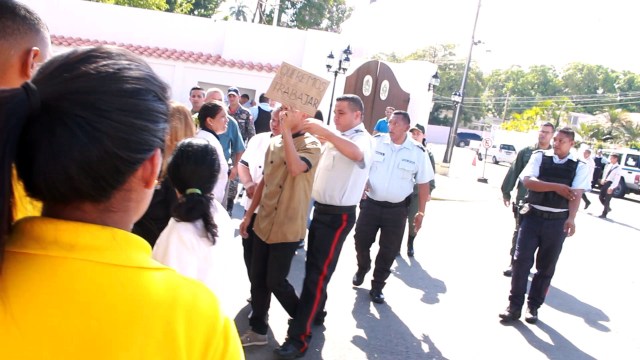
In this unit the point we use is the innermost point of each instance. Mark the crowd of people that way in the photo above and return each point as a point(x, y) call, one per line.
point(113, 198)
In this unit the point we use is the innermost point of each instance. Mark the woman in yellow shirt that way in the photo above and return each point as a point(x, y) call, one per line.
point(86, 137)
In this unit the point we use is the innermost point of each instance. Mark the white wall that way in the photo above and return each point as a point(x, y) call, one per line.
point(232, 40)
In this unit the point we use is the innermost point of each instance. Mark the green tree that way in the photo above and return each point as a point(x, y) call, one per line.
point(523, 122)
point(239, 11)
point(326, 15)
point(202, 8)
point(143, 4)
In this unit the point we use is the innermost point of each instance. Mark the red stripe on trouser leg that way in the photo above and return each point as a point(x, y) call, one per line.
point(323, 275)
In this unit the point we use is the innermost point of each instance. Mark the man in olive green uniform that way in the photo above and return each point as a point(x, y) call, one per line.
point(510, 180)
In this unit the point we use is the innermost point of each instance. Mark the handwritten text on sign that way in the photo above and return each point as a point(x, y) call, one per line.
point(297, 88)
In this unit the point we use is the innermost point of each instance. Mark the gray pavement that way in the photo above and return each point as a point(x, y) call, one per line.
point(444, 302)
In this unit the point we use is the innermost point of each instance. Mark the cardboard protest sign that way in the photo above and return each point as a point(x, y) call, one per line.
point(297, 88)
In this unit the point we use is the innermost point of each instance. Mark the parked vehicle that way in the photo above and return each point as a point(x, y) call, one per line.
point(463, 138)
point(499, 153)
point(630, 177)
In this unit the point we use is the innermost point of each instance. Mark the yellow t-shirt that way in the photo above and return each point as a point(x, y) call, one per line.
point(71, 290)
point(23, 205)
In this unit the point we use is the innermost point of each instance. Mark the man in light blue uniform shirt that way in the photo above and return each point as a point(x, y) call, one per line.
point(398, 163)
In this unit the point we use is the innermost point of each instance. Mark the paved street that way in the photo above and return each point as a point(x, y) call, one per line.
point(444, 302)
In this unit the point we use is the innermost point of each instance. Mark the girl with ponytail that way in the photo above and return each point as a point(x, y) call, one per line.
point(198, 219)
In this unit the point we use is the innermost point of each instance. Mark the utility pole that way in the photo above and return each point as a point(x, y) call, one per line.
point(460, 95)
point(504, 111)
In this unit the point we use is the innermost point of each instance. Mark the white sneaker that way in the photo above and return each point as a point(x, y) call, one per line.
point(253, 338)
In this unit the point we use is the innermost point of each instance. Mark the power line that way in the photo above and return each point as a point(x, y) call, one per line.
point(515, 107)
point(542, 98)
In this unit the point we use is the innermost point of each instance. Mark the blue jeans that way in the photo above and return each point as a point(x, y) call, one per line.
point(546, 236)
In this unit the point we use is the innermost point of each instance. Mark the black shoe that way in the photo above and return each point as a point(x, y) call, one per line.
point(288, 351)
point(376, 296)
point(507, 272)
point(318, 320)
point(531, 316)
point(358, 278)
point(410, 252)
point(587, 204)
point(603, 216)
point(509, 315)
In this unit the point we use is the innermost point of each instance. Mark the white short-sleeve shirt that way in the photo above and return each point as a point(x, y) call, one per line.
point(185, 246)
point(339, 181)
point(581, 181)
point(253, 159)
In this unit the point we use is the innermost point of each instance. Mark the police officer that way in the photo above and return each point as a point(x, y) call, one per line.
point(339, 181)
point(398, 163)
point(556, 181)
point(510, 180)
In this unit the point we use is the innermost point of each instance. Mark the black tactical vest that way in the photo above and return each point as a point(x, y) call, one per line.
point(556, 173)
point(262, 121)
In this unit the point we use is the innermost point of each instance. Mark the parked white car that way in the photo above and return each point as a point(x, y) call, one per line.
point(499, 153)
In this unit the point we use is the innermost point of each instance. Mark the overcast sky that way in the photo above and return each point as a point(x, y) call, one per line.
point(517, 32)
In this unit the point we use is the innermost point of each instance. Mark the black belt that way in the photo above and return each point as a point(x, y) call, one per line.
point(333, 209)
point(386, 204)
point(549, 215)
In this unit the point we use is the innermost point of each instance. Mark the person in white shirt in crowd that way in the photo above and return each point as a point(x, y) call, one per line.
point(245, 100)
point(213, 121)
point(610, 180)
point(198, 220)
point(588, 159)
point(250, 172)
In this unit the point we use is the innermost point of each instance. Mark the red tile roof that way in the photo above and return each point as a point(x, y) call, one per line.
point(169, 54)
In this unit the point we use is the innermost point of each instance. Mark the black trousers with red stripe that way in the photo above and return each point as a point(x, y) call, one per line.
point(327, 233)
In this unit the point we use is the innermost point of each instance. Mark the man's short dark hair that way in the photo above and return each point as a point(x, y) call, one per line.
point(245, 96)
point(263, 98)
point(568, 132)
point(17, 20)
point(404, 115)
point(354, 101)
point(195, 88)
point(553, 128)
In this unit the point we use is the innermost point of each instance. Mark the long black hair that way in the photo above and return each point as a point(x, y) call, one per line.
point(193, 171)
point(84, 124)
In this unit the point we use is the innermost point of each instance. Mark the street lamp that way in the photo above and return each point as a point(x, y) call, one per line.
point(342, 67)
point(434, 81)
point(458, 96)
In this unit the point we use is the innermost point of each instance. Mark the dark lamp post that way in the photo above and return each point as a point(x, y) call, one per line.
point(341, 68)
point(434, 81)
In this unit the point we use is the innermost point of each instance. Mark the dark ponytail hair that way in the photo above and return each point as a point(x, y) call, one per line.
point(84, 124)
point(193, 170)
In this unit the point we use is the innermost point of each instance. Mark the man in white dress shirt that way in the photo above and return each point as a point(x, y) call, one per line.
point(610, 180)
